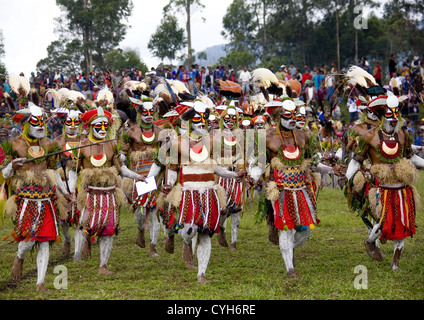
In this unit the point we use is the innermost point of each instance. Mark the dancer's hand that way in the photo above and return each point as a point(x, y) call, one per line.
point(339, 170)
point(18, 163)
point(241, 173)
point(141, 179)
point(166, 189)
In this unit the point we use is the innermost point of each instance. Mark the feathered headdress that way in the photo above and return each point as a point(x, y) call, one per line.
point(361, 80)
point(267, 82)
point(20, 85)
point(181, 90)
point(22, 115)
point(104, 98)
point(136, 88)
point(69, 99)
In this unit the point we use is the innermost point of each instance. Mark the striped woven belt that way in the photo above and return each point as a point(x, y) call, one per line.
point(291, 177)
point(142, 166)
point(35, 192)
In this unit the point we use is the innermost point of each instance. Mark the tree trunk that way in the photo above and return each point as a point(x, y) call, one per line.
point(188, 28)
point(264, 37)
point(337, 37)
point(88, 53)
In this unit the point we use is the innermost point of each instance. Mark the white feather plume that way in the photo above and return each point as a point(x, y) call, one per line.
point(206, 100)
point(55, 95)
point(178, 86)
point(105, 94)
point(75, 95)
point(135, 85)
point(357, 75)
point(24, 82)
point(16, 82)
point(264, 77)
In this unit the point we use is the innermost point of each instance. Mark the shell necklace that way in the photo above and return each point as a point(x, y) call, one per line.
point(290, 151)
point(34, 151)
point(97, 160)
point(148, 137)
point(389, 149)
point(199, 153)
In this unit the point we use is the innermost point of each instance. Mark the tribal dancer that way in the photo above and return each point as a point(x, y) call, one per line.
point(291, 186)
point(393, 201)
point(231, 140)
point(140, 145)
point(38, 201)
point(198, 198)
point(360, 182)
point(70, 138)
point(99, 192)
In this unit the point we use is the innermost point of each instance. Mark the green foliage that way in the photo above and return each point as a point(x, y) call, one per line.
point(304, 32)
point(119, 59)
point(238, 59)
point(189, 7)
point(2, 53)
point(88, 29)
point(66, 56)
point(168, 39)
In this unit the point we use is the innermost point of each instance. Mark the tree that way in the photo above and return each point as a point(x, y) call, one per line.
point(2, 54)
point(238, 59)
point(119, 59)
point(189, 6)
point(167, 40)
point(61, 55)
point(96, 24)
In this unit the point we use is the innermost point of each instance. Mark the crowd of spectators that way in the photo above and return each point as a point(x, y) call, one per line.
point(318, 85)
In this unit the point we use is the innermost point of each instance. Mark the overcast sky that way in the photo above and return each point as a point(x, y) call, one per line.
point(28, 28)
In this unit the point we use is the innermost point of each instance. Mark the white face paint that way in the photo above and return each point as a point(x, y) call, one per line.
point(37, 133)
point(100, 129)
point(72, 126)
point(147, 113)
point(391, 120)
point(230, 119)
point(198, 124)
point(288, 120)
point(36, 127)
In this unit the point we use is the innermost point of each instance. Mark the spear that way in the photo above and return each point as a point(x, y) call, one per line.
point(62, 151)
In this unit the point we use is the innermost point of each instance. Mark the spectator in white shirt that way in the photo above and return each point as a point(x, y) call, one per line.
point(244, 79)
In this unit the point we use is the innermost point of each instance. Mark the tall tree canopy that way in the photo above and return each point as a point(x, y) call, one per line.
point(317, 32)
point(97, 26)
point(189, 7)
point(2, 54)
point(168, 39)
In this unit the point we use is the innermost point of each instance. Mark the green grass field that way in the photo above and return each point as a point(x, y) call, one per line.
point(325, 265)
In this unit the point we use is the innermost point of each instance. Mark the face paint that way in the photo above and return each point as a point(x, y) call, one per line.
point(300, 120)
point(36, 127)
point(288, 120)
point(198, 123)
point(230, 121)
point(72, 127)
point(100, 130)
point(371, 115)
point(392, 116)
point(147, 115)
